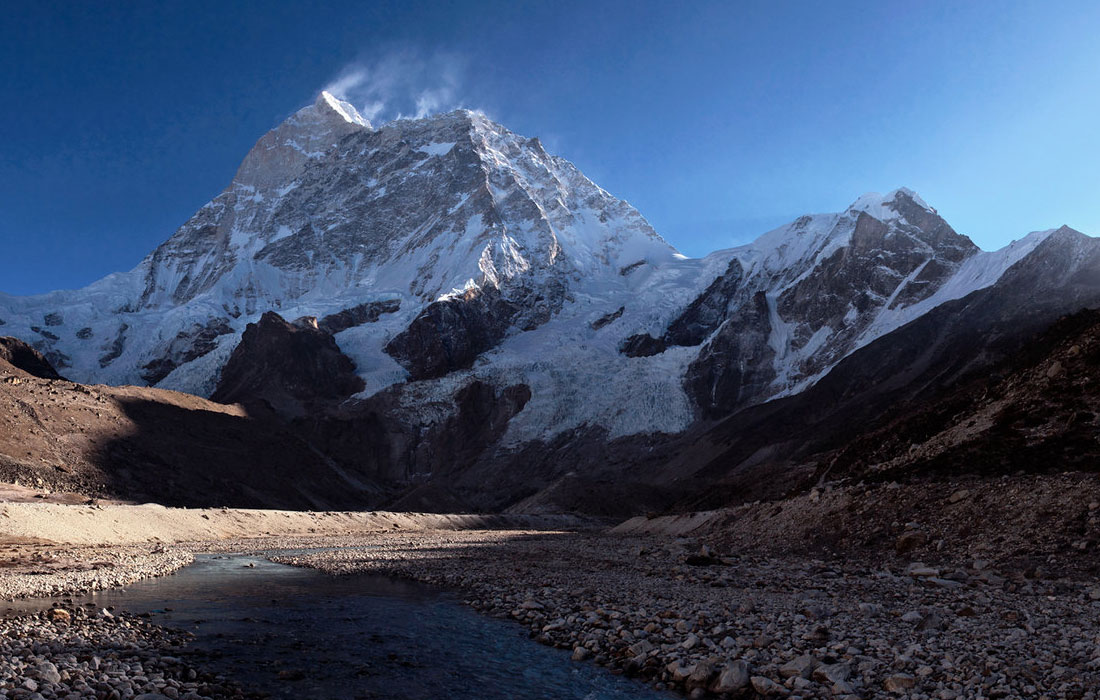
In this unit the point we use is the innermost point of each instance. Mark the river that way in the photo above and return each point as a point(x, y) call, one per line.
point(299, 633)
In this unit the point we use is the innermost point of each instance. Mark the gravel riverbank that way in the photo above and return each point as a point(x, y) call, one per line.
point(70, 652)
point(39, 571)
point(707, 624)
point(667, 610)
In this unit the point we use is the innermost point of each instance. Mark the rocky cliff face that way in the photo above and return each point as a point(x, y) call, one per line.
point(450, 334)
point(287, 367)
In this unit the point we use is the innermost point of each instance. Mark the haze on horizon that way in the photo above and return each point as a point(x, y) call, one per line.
point(718, 121)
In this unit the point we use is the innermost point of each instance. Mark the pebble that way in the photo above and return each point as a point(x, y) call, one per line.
point(899, 682)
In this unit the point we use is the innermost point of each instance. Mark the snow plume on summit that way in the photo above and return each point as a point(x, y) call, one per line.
point(402, 84)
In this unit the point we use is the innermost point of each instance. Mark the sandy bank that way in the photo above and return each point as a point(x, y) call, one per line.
point(129, 524)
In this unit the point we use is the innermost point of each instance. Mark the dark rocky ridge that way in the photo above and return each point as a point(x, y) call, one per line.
point(1037, 410)
point(188, 345)
point(289, 367)
point(24, 357)
point(449, 335)
point(368, 312)
point(607, 319)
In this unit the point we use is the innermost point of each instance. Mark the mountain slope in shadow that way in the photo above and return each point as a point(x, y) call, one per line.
point(145, 444)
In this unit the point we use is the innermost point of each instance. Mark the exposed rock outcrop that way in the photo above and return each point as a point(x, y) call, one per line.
point(451, 333)
point(24, 357)
point(736, 366)
point(189, 345)
point(287, 366)
point(607, 319)
point(642, 345)
point(368, 312)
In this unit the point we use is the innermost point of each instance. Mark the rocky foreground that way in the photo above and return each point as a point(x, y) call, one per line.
point(686, 618)
point(669, 610)
point(70, 652)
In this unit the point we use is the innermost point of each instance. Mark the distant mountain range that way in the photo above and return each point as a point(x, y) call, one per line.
point(456, 319)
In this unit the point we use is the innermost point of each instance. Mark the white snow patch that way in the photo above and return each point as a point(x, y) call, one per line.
point(344, 109)
point(437, 149)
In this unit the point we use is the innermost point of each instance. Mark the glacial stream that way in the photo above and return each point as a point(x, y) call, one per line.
point(361, 636)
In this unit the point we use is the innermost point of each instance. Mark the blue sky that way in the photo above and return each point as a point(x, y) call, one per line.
point(717, 120)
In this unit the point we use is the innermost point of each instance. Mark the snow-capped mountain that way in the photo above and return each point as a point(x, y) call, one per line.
point(447, 250)
point(326, 214)
point(800, 298)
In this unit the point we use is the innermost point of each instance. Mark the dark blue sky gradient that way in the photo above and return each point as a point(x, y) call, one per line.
point(717, 120)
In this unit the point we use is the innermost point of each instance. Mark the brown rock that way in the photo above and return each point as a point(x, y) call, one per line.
point(733, 677)
point(60, 615)
point(910, 541)
point(899, 682)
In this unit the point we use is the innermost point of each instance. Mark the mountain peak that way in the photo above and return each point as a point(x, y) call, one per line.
point(280, 154)
point(1067, 230)
point(1063, 235)
point(327, 102)
point(889, 206)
